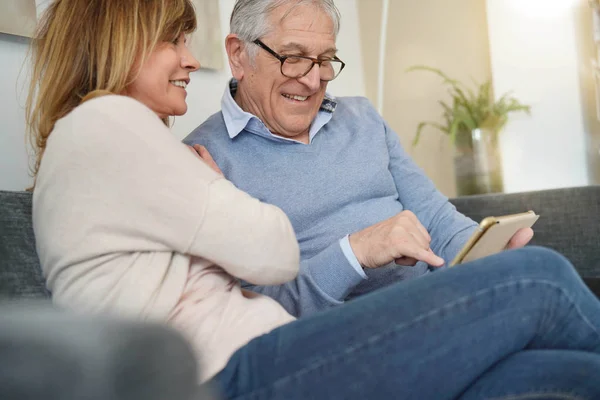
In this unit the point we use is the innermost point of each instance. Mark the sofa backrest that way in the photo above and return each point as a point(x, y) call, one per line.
point(569, 220)
point(20, 272)
point(569, 223)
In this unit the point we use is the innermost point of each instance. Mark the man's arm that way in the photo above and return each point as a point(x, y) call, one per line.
point(322, 282)
point(449, 229)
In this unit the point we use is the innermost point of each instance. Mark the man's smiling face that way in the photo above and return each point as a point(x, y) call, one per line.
point(288, 106)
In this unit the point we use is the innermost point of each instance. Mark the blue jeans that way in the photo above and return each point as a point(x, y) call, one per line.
point(517, 325)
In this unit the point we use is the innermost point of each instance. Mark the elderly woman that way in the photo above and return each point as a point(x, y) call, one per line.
point(128, 221)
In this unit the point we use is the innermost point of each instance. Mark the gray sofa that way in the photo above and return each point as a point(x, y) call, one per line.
point(569, 223)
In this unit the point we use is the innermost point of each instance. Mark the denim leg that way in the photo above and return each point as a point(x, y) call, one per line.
point(427, 338)
point(540, 374)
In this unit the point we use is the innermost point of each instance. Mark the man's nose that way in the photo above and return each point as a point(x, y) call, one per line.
point(313, 78)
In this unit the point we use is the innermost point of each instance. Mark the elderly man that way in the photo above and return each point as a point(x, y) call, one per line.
point(365, 215)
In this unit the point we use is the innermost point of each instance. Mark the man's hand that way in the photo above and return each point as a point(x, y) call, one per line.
point(402, 239)
point(520, 239)
point(204, 155)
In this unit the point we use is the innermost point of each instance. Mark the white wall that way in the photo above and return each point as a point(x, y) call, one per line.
point(204, 93)
point(13, 155)
point(430, 32)
point(533, 46)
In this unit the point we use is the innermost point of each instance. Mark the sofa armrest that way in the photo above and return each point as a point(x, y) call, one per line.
point(569, 220)
point(56, 355)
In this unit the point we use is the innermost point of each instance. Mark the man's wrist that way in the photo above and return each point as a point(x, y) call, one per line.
point(351, 256)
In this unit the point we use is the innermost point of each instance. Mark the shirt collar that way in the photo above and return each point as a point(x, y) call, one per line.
point(238, 120)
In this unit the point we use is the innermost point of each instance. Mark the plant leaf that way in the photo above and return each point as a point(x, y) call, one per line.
point(422, 125)
point(470, 109)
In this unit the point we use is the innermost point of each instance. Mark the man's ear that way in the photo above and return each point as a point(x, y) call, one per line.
point(236, 53)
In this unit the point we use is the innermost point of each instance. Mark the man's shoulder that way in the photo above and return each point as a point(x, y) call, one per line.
point(354, 106)
point(213, 129)
point(353, 101)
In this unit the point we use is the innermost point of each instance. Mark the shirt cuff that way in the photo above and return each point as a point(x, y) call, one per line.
point(347, 250)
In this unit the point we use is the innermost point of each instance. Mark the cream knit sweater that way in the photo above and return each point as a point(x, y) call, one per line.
point(127, 221)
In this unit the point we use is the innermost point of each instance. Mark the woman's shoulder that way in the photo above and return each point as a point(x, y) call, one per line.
point(107, 118)
point(112, 108)
point(107, 129)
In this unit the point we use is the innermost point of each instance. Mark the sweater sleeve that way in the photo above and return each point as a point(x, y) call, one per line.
point(449, 229)
point(251, 240)
point(150, 193)
point(324, 281)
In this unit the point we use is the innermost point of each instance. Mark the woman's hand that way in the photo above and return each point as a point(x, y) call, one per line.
point(203, 154)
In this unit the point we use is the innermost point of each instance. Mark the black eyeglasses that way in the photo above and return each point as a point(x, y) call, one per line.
point(298, 66)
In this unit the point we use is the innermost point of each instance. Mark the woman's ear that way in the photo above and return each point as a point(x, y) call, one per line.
point(238, 58)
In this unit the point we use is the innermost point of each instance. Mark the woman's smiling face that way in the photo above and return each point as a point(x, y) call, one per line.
point(162, 80)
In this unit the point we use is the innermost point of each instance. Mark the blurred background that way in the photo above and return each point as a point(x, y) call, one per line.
point(541, 52)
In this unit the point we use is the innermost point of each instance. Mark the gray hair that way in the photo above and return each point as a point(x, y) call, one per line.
point(249, 19)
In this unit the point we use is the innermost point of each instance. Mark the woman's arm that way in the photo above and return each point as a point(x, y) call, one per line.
point(139, 189)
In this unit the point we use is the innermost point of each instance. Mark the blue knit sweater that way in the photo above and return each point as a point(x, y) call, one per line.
point(353, 174)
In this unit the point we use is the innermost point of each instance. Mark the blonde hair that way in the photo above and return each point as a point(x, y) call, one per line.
point(88, 48)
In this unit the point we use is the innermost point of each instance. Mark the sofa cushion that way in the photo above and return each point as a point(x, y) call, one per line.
point(20, 272)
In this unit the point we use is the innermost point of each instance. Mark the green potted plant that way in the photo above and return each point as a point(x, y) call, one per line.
point(473, 120)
